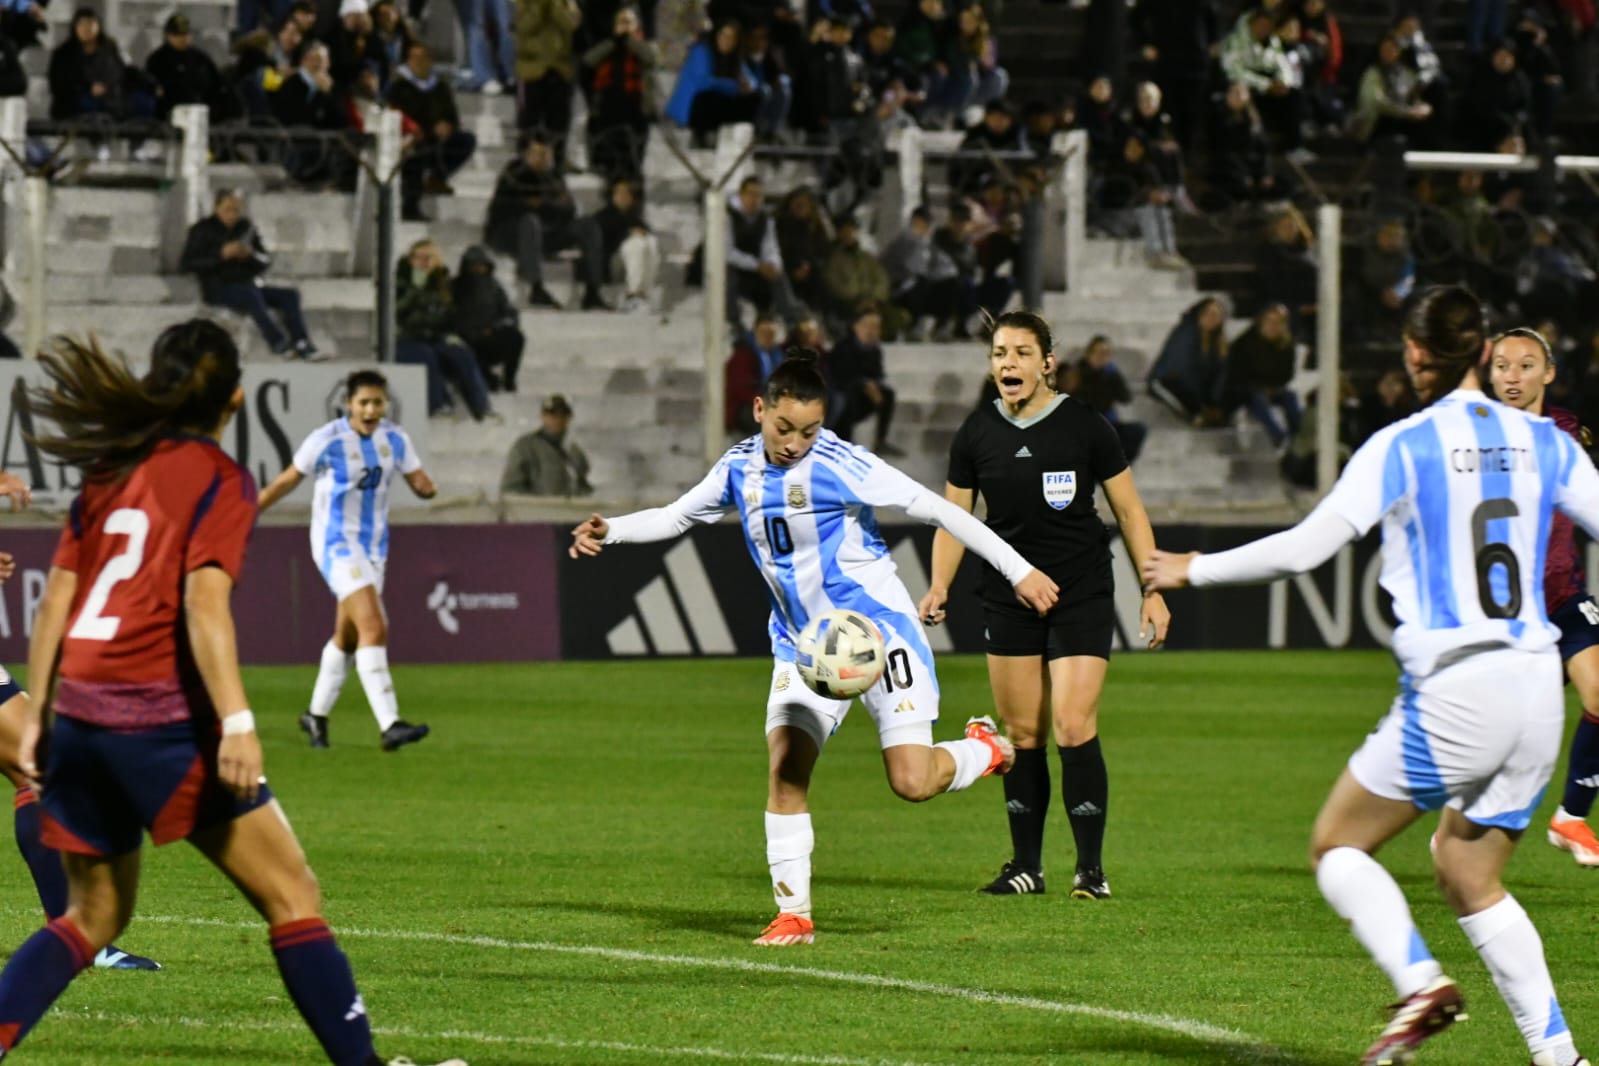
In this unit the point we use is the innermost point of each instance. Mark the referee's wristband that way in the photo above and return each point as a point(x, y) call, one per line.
point(238, 722)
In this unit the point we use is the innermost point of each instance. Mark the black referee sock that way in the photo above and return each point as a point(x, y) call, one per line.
point(1027, 804)
point(1086, 791)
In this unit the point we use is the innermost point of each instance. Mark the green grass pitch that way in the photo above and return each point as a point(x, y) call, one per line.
point(571, 868)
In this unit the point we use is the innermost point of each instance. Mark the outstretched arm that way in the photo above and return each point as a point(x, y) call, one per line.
point(705, 502)
point(281, 486)
point(421, 484)
point(1033, 586)
point(1293, 551)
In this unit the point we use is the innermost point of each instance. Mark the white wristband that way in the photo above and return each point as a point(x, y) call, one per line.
point(238, 722)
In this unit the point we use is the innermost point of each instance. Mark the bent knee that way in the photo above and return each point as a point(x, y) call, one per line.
point(915, 787)
point(99, 924)
point(372, 633)
point(292, 898)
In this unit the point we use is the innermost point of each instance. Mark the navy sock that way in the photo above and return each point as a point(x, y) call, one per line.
point(319, 980)
point(1582, 776)
point(1085, 789)
point(37, 974)
point(1027, 804)
point(44, 863)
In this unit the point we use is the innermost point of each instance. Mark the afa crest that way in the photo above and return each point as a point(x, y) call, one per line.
point(1060, 488)
point(796, 495)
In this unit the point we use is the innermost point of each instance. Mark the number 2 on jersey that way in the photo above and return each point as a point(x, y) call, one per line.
point(91, 624)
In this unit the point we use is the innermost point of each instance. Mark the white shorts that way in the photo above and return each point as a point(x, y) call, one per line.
point(347, 570)
point(904, 704)
point(1481, 736)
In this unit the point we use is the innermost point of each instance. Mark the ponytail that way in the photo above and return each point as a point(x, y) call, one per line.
point(107, 420)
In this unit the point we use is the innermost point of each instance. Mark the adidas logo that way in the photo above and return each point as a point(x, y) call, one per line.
point(1023, 453)
point(1016, 807)
point(1087, 809)
point(676, 613)
point(1589, 782)
point(357, 1010)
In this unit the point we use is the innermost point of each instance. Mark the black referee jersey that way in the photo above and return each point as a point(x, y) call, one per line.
point(1038, 478)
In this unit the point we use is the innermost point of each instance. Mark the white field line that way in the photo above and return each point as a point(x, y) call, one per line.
point(464, 1037)
point(1168, 1023)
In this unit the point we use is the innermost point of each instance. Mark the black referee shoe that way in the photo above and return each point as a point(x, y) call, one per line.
point(316, 728)
point(1014, 880)
point(1090, 884)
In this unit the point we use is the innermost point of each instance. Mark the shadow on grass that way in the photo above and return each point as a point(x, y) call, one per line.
point(743, 924)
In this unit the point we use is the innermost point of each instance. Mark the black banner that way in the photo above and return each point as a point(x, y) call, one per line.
point(701, 595)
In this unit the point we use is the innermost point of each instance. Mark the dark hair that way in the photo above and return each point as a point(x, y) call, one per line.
point(960, 213)
point(1529, 334)
point(1096, 339)
point(751, 180)
point(107, 420)
point(797, 378)
point(1446, 321)
point(864, 308)
point(227, 193)
point(364, 379)
point(922, 213)
point(1032, 322)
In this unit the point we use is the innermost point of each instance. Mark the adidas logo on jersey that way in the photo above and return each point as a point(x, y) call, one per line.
point(1086, 809)
point(1023, 453)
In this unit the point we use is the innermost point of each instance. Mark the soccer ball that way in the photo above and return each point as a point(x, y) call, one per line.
point(840, 654)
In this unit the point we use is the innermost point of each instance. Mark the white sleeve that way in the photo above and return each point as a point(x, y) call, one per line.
point(1577, 489)
point(310, 451)
point(705, 502)
point(1377, 476)
point(410, 461)
point(1293, 551)
point(881, 485)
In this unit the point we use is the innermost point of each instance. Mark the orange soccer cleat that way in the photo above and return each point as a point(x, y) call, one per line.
point(1574, 835)
point(786, 930)
point(1002, 754)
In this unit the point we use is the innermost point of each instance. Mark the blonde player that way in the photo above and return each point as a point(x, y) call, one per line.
point(354, 460)
point(806, 499)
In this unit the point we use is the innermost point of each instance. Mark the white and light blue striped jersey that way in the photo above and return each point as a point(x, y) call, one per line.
point(1465, 491)
point(353, 475)
point(812, 531)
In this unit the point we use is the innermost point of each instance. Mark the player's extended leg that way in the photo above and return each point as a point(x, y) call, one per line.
point(1569, 828)
point(100, 902)
point(259, 853)
point(1020, 684)
point(791, 754)
point(1352, 825)
point(44, 862)
point(1469, 859)
point(365, 611)
point(337, 658)
point(1076, 682)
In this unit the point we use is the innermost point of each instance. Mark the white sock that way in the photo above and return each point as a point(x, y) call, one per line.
point(372, 664)
point(789, 843)
point(971, 759)
point(1561, 815)
point(1505, 938)
point(1367, 897)
point(329, 679)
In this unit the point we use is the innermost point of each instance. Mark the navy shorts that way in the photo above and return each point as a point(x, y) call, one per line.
point(105, 787)
point(1578, 619)
point(1081, 627)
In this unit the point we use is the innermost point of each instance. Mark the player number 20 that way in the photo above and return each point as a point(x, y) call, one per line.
point(134, 524)
point(1492, 554)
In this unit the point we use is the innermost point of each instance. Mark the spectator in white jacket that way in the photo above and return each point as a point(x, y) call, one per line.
point(1253, 55)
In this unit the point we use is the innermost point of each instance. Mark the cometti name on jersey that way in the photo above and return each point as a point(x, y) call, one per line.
point(1501, 460)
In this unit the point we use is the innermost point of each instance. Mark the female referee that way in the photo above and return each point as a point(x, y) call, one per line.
point(133, 649)
point(1036, 459)
point(354, 460)
point(1521, 366)
point(1465, 491)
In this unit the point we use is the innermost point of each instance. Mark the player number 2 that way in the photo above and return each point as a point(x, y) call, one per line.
point(1494, 554)
point(370, 476)
point(91, 624)
point(897, 670)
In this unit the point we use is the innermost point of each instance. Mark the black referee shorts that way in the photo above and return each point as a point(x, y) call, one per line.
point(1080, 627)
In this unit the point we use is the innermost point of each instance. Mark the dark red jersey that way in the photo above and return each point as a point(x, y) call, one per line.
point(125, 661)
point(1563, 576)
